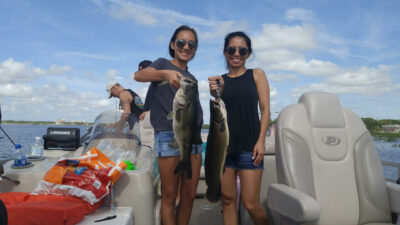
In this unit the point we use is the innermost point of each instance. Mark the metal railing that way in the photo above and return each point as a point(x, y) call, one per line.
point(392, 164)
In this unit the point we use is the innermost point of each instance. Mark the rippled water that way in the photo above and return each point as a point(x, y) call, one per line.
point(25, 135)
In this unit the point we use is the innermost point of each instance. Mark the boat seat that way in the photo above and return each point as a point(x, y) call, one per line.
point(269, 177)
point(329, 171)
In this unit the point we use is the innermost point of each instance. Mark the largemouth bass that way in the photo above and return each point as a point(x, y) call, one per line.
point(186, 132)
point(217, 145)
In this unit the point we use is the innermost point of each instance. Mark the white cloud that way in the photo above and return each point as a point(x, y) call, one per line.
point(111, 74)
point(295, 37)
point(311, 68)
point(54, 69)
point(12, 71)
point(148, 15)
point(86, 55)
point(282, 47)
point(363, 81)
point(220, 29)
point(363, 76)
point(15, 90)
point(280, 77)
point(273, 92)
point(299, 14)
point(151, 16)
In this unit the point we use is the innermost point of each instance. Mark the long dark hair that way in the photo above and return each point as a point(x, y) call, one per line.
point(238, 34)
point(173, 38)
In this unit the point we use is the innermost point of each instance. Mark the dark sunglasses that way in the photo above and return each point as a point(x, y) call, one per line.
point(182, 42)
point(232, 49)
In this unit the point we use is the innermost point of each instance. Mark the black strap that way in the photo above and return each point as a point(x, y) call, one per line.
point(3, 214)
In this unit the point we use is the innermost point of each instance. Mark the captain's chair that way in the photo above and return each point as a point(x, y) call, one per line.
point(329, 171)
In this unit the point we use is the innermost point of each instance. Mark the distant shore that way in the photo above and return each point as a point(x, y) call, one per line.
point(45, 123)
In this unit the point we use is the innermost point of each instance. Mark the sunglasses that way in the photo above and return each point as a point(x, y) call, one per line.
point(182, 42)
point(231, 50)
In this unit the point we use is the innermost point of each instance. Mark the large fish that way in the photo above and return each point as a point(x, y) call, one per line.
point(217, 145)
point(186, 131)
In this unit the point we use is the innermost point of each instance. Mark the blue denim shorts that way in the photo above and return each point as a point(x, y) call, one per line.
point(242, 161)
point(161, 141)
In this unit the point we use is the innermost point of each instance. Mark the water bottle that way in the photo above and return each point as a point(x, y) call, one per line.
point(19, 156)
point(37, 148)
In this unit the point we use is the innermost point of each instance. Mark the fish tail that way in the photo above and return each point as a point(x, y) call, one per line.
point(189, 171)
point(180, 167)
point(213, 194)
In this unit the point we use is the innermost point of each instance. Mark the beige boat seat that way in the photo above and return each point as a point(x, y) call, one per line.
point(329, 171)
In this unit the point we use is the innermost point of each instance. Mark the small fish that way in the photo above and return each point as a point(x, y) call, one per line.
point(217, 145)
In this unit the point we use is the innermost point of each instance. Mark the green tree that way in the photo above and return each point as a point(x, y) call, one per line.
point(371, 124)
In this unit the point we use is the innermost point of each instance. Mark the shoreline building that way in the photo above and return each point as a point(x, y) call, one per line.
point(391, 128)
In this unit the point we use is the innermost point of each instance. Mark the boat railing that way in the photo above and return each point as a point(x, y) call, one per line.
point(392, 164)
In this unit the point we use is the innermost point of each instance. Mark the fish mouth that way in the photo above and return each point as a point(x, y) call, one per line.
point(188, 80)
point(180, 102)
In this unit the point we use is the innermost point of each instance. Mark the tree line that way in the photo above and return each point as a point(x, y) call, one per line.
point(375, 126)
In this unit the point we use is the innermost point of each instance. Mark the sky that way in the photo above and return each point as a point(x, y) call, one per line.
point(57, 56)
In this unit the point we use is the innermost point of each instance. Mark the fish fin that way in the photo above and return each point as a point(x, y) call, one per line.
point(170, 115)
point(223, 127)
point(173, 144)
point(163, 83)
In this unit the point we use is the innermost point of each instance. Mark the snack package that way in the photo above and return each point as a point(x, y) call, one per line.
point(89, 177)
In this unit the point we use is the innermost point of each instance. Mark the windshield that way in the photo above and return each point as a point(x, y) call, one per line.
point(116, 126)
point(117, 135)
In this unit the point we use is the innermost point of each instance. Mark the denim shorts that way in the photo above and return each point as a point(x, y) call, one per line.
point(242, 161)
point(161, 141)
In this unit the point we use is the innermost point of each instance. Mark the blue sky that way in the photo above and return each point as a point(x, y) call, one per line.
point(57, 56)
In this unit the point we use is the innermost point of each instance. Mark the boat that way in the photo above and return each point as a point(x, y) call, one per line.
point(137, 193)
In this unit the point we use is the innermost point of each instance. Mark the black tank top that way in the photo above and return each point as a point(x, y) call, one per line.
point(241, 100)
point(136, 104)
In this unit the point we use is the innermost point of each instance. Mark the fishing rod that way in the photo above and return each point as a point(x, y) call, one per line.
point(7, 135)
point(5, 131)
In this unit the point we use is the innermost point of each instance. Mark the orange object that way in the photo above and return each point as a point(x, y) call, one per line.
point(117, 171)
point(23, 208)
point(96, 159)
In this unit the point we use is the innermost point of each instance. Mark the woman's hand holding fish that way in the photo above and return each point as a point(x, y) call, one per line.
point(258, 153)
point(173, 77)
point(215, 86)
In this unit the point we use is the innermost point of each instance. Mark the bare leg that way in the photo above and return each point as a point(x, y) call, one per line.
point(188, 191)
point(250, 182)
point(169, 188)
point(178, 196)
point(229, 194)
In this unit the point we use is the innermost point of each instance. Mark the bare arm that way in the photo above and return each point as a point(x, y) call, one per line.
point(263, 97)
point(151, 74)
point(125, 101)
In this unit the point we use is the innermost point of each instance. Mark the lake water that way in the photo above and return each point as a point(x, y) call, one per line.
point(25, 135)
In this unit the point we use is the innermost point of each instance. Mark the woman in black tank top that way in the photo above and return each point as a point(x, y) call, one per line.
point(242, 90)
